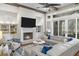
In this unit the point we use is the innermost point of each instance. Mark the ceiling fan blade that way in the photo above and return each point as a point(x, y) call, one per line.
point(54, 4)
point(48, 5)
point(43, 3)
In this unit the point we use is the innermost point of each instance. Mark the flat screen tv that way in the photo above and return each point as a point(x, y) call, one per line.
point(28, 22)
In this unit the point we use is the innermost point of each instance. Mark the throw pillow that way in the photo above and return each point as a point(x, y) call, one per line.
point(69, 39)
point(45, 49)
point(5, 50)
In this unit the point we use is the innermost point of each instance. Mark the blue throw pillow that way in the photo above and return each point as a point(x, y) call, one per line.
point(45, 49)
point(69, 39)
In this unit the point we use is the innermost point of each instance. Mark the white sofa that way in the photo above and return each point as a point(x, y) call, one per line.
point(61, 49)
point(55, 39)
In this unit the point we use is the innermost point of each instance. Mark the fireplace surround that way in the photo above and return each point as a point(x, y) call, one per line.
point(28, 35)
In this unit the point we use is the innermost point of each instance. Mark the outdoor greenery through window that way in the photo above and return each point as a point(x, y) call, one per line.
point(62, 28)
point(56, 28)
point(78, 28)
point(71, 27)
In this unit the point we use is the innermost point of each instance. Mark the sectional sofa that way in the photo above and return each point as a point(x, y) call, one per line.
point(62, 48)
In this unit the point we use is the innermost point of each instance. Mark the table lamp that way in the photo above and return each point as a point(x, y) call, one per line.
point(49, 33)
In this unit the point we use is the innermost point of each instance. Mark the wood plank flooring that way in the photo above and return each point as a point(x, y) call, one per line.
point(77, 54)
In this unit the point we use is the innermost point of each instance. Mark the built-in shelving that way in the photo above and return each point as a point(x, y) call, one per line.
point(13, 29)
point(8, 28)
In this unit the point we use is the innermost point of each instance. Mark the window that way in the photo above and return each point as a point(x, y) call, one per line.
point(78, 28)
point(71, 27)
point(49, 25)
point(62, 28)
point(55, 28)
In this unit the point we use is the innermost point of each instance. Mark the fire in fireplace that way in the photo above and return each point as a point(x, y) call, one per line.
point(28, 35)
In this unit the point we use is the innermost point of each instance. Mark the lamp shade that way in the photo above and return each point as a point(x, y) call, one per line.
point(48, 30)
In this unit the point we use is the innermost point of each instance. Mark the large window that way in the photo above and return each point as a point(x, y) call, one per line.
point(62, 28)
point(68, 28)
point(71, 27)
point(55, 28)
point(78, 28)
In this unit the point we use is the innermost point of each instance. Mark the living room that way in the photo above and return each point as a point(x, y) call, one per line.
point(12, 19)
point(39, 29)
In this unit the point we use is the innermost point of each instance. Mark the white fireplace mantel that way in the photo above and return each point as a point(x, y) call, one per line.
point(24, 30)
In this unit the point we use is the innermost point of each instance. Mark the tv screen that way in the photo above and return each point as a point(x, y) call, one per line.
point(28, 22)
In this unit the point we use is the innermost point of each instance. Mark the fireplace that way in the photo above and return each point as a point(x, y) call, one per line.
point(27, 35)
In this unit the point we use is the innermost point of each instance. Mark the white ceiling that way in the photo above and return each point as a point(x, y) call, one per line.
point(39, 6)
point(33, 5)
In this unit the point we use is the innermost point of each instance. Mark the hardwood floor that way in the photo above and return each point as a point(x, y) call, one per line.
point(77, 54)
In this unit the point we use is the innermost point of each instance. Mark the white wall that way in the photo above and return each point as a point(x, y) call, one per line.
point(7, 17)
point(8, 14)
point(14, 14)
point(9, 8)
point(30, 14)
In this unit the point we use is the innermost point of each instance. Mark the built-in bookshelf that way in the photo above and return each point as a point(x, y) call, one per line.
point(8, 28)
point(13, 29)
point(4, 28)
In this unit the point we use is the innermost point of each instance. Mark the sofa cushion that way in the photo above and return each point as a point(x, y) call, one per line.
point(59, 38)
point(45, 49)
point(73, 42)
point(57, 50)
point(62, 48)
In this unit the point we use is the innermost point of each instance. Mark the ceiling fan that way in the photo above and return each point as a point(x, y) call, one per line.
point(50, 5)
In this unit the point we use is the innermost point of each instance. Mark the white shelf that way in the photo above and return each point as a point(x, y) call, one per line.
point(8, 28)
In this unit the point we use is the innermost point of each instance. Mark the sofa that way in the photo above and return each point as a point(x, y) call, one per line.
point(55, 39)
point(61, 49)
